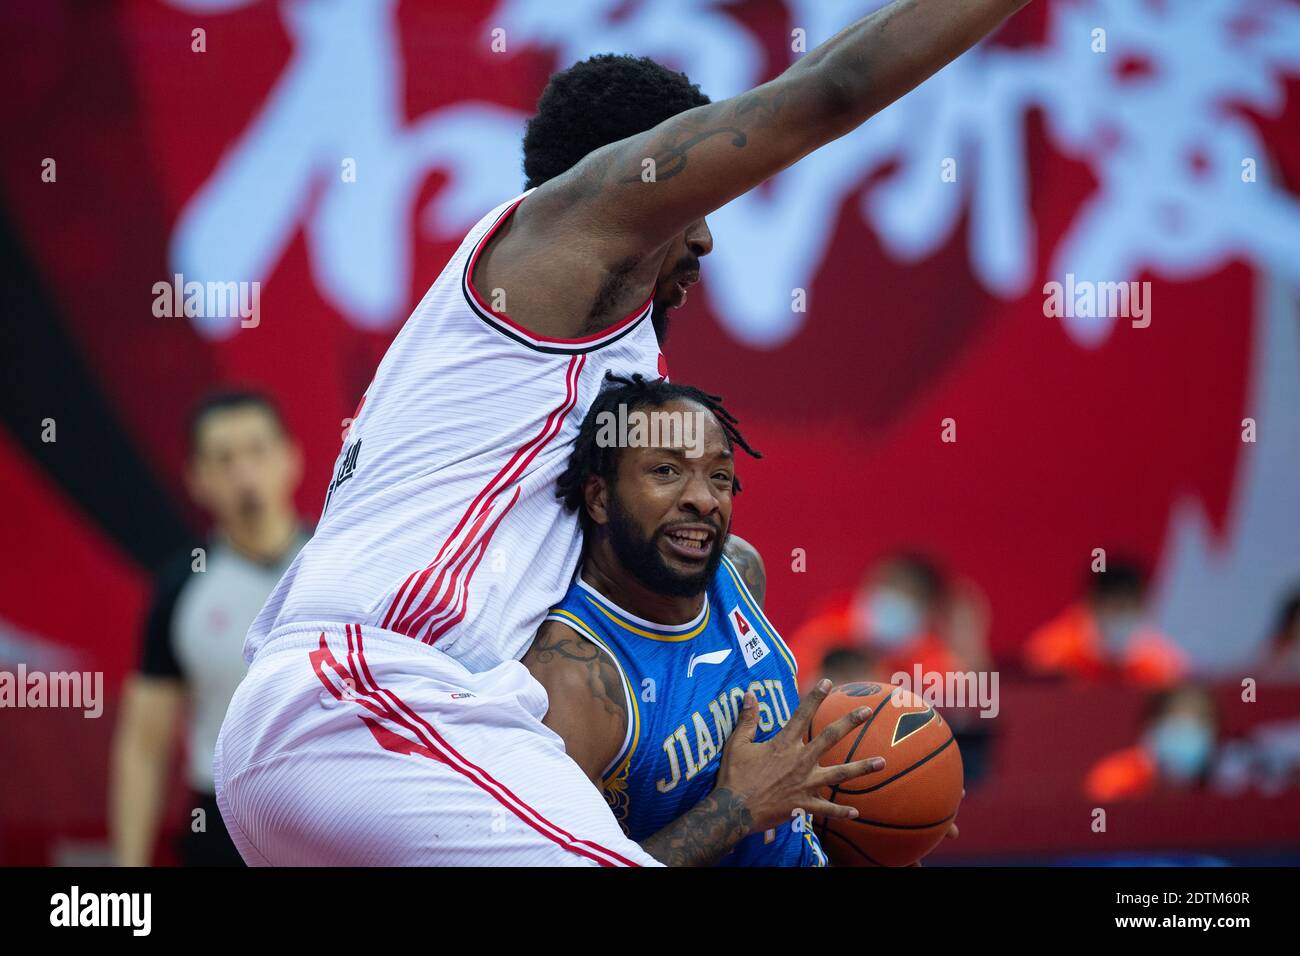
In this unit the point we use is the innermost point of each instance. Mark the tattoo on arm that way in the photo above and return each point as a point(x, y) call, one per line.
point(561, 644)
point(670, 159)
point(755, 110)
point(764, 106)
point(751, 571)
point(705, 834)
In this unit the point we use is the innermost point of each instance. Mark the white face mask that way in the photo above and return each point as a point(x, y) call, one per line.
point(888, 618)
point(1182, 747)
point(1117, 630)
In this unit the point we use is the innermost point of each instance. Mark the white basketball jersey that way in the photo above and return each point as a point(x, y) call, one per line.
point(441, 521)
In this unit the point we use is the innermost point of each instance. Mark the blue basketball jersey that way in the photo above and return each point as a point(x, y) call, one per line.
point(684, 686)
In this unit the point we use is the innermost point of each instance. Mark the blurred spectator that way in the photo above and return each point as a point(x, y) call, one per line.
point(903, 614)
point(1177, 748)
point(1106, 636)
point(1282, 658)
point(243, 469)
point(1266, 759)
point(844, 665)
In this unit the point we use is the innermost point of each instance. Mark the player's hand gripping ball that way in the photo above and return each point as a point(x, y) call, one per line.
point(905, 810)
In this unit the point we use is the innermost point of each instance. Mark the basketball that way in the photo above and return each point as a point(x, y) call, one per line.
point(905, 809)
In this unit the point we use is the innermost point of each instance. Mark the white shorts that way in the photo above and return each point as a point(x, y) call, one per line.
point(349, 749)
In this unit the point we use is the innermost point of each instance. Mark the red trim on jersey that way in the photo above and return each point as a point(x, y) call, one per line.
point(458, 615)
point(409, 621)
point(423, 575)
point(483, 778)
point(430, 744)
point(506, 320)
point(323, 658)
point(429, 615)
point(404, 620)
point(435, 629)
point(412, 622)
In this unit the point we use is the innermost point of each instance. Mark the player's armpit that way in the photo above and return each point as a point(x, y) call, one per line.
point(588, 703)
point(750, 565)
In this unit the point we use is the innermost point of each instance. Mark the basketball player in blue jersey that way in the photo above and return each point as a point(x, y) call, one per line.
point(663, 674)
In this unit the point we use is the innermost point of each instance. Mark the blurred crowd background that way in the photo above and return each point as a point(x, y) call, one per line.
point(1102, 510)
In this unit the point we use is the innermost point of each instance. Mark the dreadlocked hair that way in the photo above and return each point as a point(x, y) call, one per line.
point(589, 457)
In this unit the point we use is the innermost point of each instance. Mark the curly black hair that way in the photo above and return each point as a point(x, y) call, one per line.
point(590, 457)
point(598, 101)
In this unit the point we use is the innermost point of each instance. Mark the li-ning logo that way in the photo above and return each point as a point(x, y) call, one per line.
point(712, 657)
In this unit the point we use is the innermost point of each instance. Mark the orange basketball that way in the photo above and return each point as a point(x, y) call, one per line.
point(905, 809)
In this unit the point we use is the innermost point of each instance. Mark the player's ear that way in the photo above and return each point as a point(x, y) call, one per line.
point(595, 495)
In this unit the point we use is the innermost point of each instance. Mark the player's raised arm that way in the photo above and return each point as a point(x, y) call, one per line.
point(638, 193)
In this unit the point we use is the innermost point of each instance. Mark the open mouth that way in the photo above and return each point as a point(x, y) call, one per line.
point(683, 285)
point(690, 543)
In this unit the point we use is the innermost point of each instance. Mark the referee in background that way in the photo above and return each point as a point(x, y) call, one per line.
point(244, 469)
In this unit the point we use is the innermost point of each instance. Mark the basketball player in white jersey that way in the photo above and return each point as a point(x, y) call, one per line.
point(385, 718)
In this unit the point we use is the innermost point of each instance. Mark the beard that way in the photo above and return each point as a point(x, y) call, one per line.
point(659, 319)
point(642, 559)
point(688, 264)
